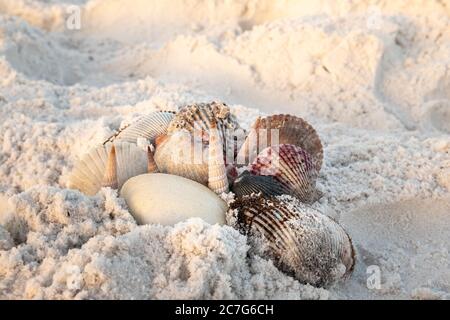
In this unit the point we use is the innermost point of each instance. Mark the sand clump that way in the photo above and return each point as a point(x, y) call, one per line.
point(370, 76)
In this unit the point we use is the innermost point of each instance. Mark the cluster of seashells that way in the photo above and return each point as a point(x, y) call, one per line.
point(172, 166)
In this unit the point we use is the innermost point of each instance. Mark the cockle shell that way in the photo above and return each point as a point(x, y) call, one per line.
point(148, 127)
point(248, 183)
point(282, 129)
point(197, 119)
point(302, 242)
point(96, 168)
point(292, 167)
point(183, 155)
point(217, 173)
point(167, 199)
point(184, 151)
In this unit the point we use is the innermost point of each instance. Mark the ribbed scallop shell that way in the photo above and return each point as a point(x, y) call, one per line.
point(291, 166)
point(282, 129)
point(217, 173)
point(183, 155)
point(248, 183)
point(89, 172)
point(302, 242)
point(148, 127)
point(197, 119)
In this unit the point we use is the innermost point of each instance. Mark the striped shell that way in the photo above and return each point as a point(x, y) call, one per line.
point(217, 173)
point(292, 167)
point(183, 155)
point(302, 242)
point(197, 119)
point(184, 151)
point(92, 170)
point(248, 183)
point(282, 129)
point(148, 127)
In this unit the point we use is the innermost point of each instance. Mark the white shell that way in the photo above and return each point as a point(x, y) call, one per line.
point(167, 199)
point(148, 127)
point(89, 172)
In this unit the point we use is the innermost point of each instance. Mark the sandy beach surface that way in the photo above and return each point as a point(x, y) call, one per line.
point(373, 78)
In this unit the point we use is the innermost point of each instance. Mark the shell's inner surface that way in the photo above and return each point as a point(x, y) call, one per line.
point(148, 127)
point(303, 242)
point(292, 167)
point(89, 172)
point(282, 129)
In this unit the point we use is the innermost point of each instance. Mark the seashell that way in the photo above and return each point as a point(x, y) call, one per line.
point(151, 164)
point(197, 119)
point(302, 242)
point(167, 199)
point(292, 167)
point(282, 129)
point(106, 163)
point(217, 173)
point(183, 155)
point(248, 183)
point(148, 127)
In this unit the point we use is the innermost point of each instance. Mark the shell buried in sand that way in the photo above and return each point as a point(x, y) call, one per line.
point(168, 199)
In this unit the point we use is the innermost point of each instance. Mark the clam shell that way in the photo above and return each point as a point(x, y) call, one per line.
point(282, 129)
point(248, 183)
point(89, 172)
point(167, 199)
point(148, 127)
point(292, 167)
point(217, 173)
point(302, 242)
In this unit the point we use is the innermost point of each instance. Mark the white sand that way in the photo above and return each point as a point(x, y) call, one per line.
point(372, 77)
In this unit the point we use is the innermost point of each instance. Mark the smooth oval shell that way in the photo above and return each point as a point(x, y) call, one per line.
point(88, 172)
point(292, 167)
point(302, 242)
point(167, 199)
point(282, 129)
point(148, 127)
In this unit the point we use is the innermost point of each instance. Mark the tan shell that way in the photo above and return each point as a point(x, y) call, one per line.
point(148, 127)
point(89, 173)
point(282, 129)
point(167, 199)
point(217, 173)
point(302, 242)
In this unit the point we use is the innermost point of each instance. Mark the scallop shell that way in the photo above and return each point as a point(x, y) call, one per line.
point(248, 183)
point(217, 173)
point(292, 167)
point(148, 127)
point(197, 119)
point(90, 171)
point(167, 199)
point(282, 129)
point(302, 242)
point(183, 155)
